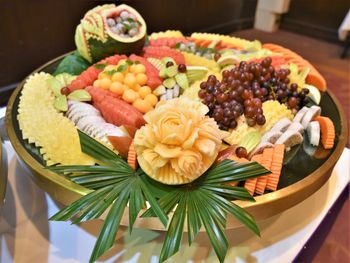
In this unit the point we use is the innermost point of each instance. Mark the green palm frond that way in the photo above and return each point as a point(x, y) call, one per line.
point(206, 202)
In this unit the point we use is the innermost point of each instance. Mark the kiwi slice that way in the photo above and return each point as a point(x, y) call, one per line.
point(250, 140)
point(182, 80)
point(79, 95)
point(169, 83)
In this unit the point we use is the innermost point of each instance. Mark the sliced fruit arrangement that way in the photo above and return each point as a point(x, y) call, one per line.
point(164, 112)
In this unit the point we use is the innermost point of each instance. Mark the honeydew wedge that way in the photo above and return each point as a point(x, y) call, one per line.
point(227, 60)
point(55, 86)
point(314, 93)
point(195, 73)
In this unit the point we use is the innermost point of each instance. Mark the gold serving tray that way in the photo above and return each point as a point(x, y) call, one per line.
point(296, 187)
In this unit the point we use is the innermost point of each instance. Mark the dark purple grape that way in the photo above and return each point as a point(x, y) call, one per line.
point(210, 89)
point(217, 56)
point(203, 85)
point(233, 124)
point(226, 121)
point(292, 102)
point(182, 68)
point(293, 87)
point(227, 113)
point(240, 89)
point(257, 103)
point(249, 112)
point(248, 102)
point(169, 64)
point(226, 73)
point(202, 93)
point(251, 122)
point(266, 62)
point(222, 97)
point(260, 119)
point(218, 115)
point(209, 98)
point(241, 152)
point(226, 104)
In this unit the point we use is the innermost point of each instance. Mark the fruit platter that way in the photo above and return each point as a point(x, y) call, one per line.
point(175, 133)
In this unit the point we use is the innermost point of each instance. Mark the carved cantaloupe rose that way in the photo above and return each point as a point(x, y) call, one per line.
point(178, 143)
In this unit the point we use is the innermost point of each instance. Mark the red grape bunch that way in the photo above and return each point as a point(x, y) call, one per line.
point(244, 88)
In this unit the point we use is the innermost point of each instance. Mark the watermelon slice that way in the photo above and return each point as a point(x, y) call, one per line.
point(115, 110)
point(161, 52)
point(167, 41)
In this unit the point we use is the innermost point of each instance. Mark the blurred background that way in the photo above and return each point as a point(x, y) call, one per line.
point(34, 32)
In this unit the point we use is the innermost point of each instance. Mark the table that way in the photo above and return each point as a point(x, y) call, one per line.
point(28, 236)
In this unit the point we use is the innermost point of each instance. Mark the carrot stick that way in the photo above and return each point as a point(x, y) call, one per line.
point(327, 131)
point(132, 160)
point(276, 167)
point(266, 162)
point(250, 183)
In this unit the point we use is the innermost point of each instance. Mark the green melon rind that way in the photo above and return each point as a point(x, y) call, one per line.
point(100, 50)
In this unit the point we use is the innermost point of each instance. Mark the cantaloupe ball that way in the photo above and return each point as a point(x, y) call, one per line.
point(141, 78)
point(144, 91)
point(97, 83)
point(136, 87)
point(118, 76)
point(117, 88)
point(152, 99)
point(139, 68)
point(142, 105)
point(104, 75)
point(121, 62)
point(132, 68)
point(110, 67)
point(130, 96)
point(129, 80)
point(105, 83)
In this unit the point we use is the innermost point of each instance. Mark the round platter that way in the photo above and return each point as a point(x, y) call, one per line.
point(301, 176)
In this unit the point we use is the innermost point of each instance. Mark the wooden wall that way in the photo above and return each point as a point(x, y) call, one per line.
point(316, 18)
point(33, 32)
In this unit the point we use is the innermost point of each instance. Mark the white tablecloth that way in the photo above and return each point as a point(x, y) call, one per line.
point(28, 236)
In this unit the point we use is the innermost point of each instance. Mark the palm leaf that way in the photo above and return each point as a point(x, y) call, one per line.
point(205, 202)
point(175, 231)
point(110, 226)
point(194, 223)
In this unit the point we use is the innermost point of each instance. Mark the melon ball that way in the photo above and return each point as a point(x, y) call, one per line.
point(130, 96)
point(132, 68)
point(117, 88)
point(141, 78)
point(152, 99)
point(140, 68)
point(142, 105)
point(118, 76)
point(104, 75)
point(137, 87)
point(129, 80)
point(105, 83)
point(97, 83)
point(144, 91)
